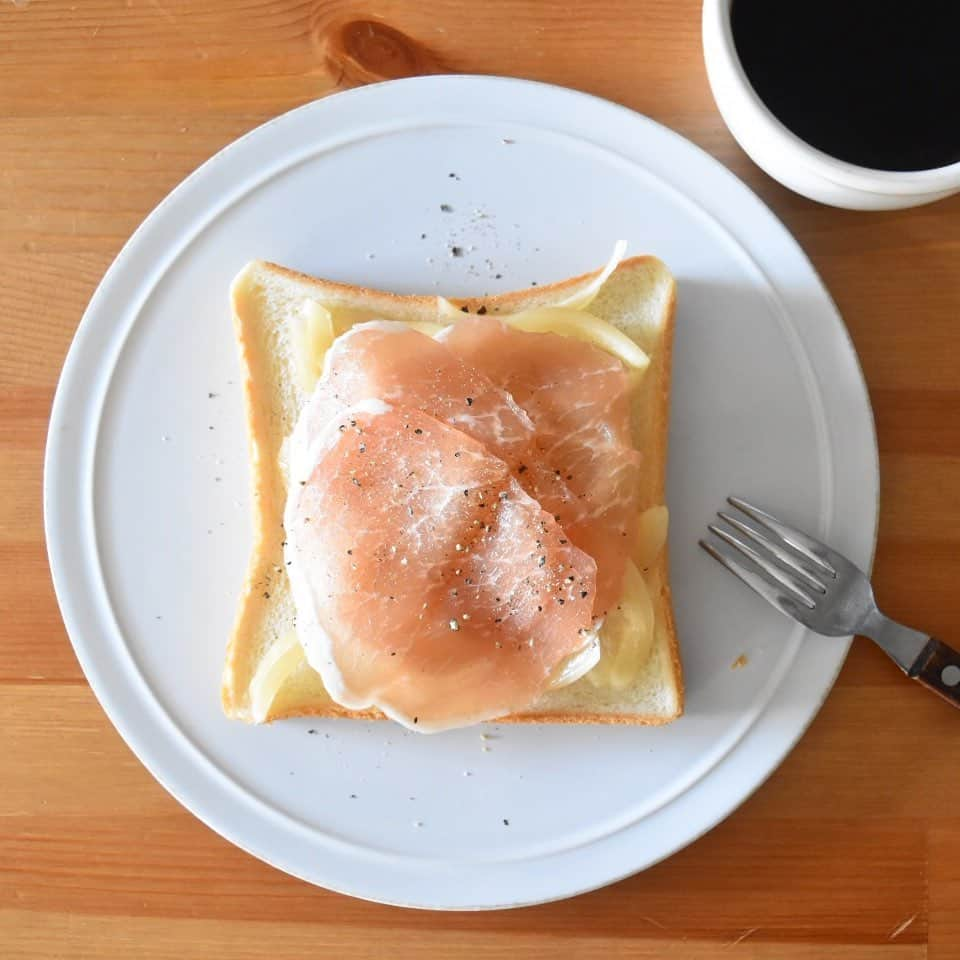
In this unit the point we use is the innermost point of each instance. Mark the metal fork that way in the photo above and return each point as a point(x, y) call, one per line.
point(812, 583)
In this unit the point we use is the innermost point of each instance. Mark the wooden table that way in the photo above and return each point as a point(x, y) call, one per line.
point(852, 849)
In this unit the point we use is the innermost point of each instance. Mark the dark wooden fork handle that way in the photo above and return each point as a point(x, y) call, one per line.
point(938, 669)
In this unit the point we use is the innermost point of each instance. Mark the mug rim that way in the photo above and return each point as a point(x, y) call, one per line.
point(716, 24)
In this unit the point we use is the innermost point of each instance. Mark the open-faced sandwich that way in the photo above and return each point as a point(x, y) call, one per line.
point(458, 505)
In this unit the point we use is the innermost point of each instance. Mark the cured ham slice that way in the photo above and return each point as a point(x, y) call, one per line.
point(389, 361)
point(427, 582)
point(582, 467)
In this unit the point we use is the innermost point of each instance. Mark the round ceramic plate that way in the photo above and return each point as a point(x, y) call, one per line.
point(147, 501)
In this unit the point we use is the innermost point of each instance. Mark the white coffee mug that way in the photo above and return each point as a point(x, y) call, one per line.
point(792, 161)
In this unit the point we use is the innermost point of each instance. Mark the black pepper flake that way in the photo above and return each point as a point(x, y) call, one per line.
point(564, 542)
point(560, 601)
point(482, 311)
point(350, 553)
point(393, 653)
point(423, 236)
point(353, 796)
point(539, 608)
point(522, 468)
point(464, 309)
point(211, 395)
point(456, 251)
point(416, 719)
point(457, 454)
point(583, 594)
point(342, 427)
point(569, 476)
point(446, 208)
point(266, 595)
point(312, 732)
point(418, 431)
point(469, 401)
point(498, 620)
point(362, 448)
point(506, 822)
point(497, 276)
point(356, 482)
point(541, 561)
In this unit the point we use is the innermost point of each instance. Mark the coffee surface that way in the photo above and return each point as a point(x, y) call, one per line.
point(873, 83)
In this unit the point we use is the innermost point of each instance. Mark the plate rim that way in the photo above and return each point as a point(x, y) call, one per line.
point(60, 417)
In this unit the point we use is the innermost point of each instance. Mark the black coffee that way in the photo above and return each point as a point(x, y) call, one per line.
point(867, 81)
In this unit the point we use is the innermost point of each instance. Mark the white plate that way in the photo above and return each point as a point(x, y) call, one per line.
point(147, 506)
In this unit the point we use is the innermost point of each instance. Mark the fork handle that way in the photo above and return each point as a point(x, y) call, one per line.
point(938, 669)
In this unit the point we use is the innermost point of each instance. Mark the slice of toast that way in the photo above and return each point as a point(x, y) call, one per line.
point(638, 298)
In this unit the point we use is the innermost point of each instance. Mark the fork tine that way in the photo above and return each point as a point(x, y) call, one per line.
point(771, 590)
point(786, 557)
point(815, 551)
point(778, 574)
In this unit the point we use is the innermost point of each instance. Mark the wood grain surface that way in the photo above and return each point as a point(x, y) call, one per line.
point(851, 851)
